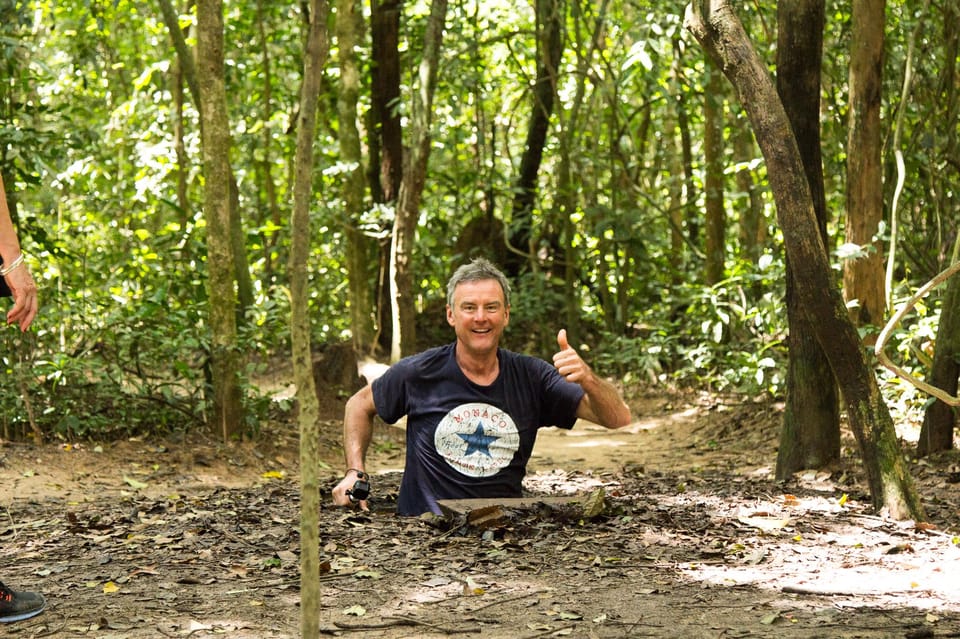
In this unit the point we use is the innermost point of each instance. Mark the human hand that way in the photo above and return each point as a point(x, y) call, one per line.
point(568, 362)
point(25, 304)
point(341, 496)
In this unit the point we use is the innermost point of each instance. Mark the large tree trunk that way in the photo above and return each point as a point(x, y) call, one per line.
point(549, 16)
point(386, 140)
point(227, 405)
point(715, 25)
point(811, 423)
point(309, 411)
point(360, 267)
point(863, 278)
point(411, 188)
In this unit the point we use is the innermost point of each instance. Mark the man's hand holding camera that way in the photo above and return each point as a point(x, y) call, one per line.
point(353, 489)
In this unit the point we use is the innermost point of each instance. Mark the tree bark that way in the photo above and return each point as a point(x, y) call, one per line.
point(939, 421)
point(188, 67)
point(386, 140)
point(716, 27)
point(227, 406)
point(309, 410)
point(713, 180)
point(359, 248)
point(411, 188)
point(811, 422)
point(549, 16)
point(751, 209)
point(270, 205)
point(863, 278)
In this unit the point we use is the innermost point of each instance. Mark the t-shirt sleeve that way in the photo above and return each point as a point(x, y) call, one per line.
point(390, 393)
point(560, 398)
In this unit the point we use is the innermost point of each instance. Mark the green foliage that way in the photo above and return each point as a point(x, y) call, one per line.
point(109, 197)
point(728, 337)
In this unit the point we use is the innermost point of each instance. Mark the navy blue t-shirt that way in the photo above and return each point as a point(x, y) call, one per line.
point(466, 440)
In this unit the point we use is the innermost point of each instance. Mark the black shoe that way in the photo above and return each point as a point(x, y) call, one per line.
point(17, 606)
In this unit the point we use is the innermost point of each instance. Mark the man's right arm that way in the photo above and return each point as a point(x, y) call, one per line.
point(357, 434)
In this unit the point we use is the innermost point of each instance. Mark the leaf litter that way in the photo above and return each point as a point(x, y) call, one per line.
point(194, 540)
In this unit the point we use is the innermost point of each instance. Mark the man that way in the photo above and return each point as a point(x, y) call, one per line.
point(473, 409)
point(14, 605)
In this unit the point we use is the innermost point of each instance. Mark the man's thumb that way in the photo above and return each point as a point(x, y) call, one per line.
point(562, 339)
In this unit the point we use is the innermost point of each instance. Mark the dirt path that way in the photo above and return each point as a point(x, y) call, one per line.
point(189, 539)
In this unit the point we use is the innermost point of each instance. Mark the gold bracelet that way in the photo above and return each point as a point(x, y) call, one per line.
point(7, 269)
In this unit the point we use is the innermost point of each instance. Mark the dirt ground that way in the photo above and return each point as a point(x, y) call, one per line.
point(145, 539)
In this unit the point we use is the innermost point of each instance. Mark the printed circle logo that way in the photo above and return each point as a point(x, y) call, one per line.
point(477, 439)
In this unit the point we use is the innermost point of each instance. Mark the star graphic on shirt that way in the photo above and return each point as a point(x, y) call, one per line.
point(478, 441)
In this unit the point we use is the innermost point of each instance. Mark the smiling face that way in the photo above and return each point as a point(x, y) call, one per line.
point(478, 316)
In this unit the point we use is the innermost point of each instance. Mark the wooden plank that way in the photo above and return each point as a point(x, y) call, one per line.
point(463, 507)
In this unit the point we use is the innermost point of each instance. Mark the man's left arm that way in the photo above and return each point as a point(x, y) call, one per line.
point(601, 403)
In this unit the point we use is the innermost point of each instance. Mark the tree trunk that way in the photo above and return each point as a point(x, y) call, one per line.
point(681, 161)
point(751, 208)
point(238, 253)
point(568, 186)
point(386, 140)
point(716, 26)
point(227, 405)
point(359, 249)
point(411, 188)
point(863, 278)
point(811, 422)
point(713, 180)
point(549, 16)
point(309, 411)
point(939, 421)
point(270, 205)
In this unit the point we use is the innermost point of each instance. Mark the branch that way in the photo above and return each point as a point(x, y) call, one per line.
point(939, 393)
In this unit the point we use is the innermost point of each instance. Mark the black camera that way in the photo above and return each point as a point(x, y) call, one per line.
point(361, 488)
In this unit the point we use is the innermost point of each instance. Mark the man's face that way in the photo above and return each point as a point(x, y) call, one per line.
point(478, 315)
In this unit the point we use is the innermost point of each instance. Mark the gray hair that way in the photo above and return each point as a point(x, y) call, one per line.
point(478, 269)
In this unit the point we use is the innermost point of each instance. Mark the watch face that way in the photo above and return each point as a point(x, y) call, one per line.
point(477, 439)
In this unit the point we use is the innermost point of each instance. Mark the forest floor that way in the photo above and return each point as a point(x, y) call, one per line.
point(144, 539)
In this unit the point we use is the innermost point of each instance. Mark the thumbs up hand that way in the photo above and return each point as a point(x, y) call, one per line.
point(568, 362)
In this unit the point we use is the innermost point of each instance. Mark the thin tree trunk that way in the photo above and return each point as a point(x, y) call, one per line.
point(751, 209)
point(713, 180)
point(227, 405)
point(863, 278)
point(811, 422)
point(680, 164)
point(359, 248)
point(265, 165)
point(549, 14)
point(238, 253)
point(716, 27)
point(309, 410)
point(411, 189)
point(386, 141)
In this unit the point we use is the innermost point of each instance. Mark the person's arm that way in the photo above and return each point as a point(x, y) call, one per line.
point(14, 271)
point(357, 434)
point(601, 403)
